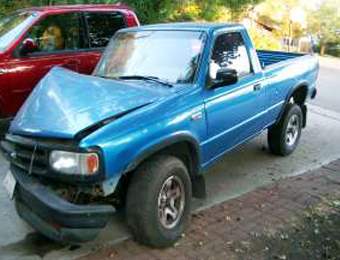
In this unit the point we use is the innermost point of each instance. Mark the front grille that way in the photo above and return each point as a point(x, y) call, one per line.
point(28, 156)
point(32, 156)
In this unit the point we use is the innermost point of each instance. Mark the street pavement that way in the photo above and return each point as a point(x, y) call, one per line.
point(257, 225)
point(329, 88)
point(244, 169)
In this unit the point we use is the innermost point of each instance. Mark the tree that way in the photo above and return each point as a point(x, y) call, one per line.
point(239, 8)
point(262, 41)
point(279, 14)
point(324, 22)
point(151, 11)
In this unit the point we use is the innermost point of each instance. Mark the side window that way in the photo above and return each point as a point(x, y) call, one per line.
point(102, 26)
point(62, 32)
point(230, 52)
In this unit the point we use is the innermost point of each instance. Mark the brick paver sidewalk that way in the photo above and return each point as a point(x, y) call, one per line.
point(211, 232)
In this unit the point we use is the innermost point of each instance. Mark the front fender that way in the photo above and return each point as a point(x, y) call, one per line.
point(129, 140)
point(126, 154)
point(162, 143)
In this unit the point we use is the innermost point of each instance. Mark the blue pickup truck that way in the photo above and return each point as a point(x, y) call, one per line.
point(164, 103)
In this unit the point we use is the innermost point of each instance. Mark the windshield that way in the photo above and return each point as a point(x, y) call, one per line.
point(167, 55)
point(11, 26)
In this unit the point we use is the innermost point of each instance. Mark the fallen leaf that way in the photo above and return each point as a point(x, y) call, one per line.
point(336, 203)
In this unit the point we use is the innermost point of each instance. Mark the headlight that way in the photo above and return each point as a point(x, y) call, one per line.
point(74, 163)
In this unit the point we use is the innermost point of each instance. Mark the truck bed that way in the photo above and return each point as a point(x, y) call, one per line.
point(268, 58)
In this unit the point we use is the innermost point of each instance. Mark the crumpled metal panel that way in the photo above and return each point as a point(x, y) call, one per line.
point(65, 102)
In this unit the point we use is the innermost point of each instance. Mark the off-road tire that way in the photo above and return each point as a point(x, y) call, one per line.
point(277, 134)
point(143, 201)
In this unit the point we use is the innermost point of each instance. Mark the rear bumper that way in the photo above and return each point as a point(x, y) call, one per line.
point(54, 217)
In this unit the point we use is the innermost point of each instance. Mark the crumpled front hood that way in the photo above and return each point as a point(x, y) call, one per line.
point(65, 102)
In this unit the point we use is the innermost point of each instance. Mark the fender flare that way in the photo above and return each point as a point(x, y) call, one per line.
point(298, 85)
point(198, 181)
point(182, 137)
point(289, 95)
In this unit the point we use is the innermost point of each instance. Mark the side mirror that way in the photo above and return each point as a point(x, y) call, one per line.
point(226, 77)
point(29, 46)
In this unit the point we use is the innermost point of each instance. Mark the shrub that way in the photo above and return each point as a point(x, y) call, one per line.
point(264, 41)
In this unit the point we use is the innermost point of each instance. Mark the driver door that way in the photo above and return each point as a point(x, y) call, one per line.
point(234, 112)
point(60, 40)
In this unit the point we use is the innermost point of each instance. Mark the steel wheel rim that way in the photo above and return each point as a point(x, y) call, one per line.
point(292, 131)
point(171, 202)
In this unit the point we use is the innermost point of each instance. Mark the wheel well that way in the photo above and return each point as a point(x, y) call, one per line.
point(299, 95)
point(187, 153)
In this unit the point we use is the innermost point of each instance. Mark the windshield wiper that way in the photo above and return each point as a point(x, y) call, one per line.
point(104, 77)
point(152, 78)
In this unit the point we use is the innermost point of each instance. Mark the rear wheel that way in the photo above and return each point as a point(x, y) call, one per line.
point(158, 201)
point(284, 137)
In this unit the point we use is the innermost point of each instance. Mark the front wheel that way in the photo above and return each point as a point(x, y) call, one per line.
point(158, 201)
point(284, 137)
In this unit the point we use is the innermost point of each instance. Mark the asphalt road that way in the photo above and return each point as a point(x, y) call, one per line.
point(329, 84)
point(242, 170)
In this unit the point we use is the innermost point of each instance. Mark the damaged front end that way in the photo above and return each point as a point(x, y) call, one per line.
point(63, 207)
point(65, 103)
point(62, 187)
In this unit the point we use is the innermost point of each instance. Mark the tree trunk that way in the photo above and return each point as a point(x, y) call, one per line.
point(322, 50)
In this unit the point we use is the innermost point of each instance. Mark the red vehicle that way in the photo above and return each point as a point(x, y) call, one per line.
point(32, 41)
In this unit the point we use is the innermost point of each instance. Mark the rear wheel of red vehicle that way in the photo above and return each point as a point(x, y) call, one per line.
point(158, 201)
point(284, 136)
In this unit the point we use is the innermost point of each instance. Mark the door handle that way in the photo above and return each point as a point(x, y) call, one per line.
point(196, 116)
point(2, 71)
point(257, 87)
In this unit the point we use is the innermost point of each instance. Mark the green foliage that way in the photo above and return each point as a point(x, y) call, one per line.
point(324, 22)
point(278, 14)
point(332, 49)
point(188, 11)
point(151, 11)
point(155, 11)
point(262, 41)
point(239, 7)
